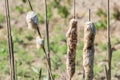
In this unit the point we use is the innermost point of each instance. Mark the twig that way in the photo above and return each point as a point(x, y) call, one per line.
point(10, 42)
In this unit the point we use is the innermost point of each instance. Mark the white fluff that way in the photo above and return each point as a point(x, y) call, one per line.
point(91, 24)
point(39, 42)
point(32, 20)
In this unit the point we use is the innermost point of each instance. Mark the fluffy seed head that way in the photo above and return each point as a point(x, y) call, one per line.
point(32, 20)
point(39, 42)
point(88, 50)
point(73, 23)
point(71, 51)
point(90, 28)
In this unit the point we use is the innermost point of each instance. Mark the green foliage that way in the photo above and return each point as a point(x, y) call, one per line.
point(41, 19)
point(56, 62)
point(115, 41)
point(24, 1)
point(29, 37)
point(20, 9)
point(50, 11)
point(103, 46)
point(56, 3)
point(35, 70)
point(116, 56)
point(55, 76)
point(40, 53)
point(18, 40)
point(4, 63)
point(63, 11)
point(101, 13)
point(2, 18)
point(54, 46)
point(97, 69)
point(101, 24)
point(3, 47)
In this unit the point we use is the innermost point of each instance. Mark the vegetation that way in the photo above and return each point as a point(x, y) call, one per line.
point(30, 62)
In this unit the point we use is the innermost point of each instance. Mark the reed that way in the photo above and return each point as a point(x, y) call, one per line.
point(71, 51)
point(88, 50)
point(109, 49)
point(10, 42)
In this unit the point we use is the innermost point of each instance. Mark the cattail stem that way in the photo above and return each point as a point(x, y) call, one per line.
point(89, 14)
point(48, 47)
point(74, 8)
point(35, 25)
point(109, 50)
point(10, 42)
point(88, 50)
point(71, 51)
point(30, 5)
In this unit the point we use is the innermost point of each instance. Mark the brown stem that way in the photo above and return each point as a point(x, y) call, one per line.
point(10, 42)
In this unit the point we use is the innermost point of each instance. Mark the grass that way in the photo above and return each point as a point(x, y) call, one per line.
point(25, 57)
point(103, 46)
point(20, 9)
point(2, 18)
point(101, 24)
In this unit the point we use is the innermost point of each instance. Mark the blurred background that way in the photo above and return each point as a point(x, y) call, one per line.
point(30, 62)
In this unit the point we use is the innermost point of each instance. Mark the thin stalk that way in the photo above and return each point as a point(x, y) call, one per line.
point(74, 8)
point(10, 42)
point(105, 67)
point(89, 14)
point(89, 11)
point(30, 5)
point(48, 47)
point(38, 31)
point(109, 51)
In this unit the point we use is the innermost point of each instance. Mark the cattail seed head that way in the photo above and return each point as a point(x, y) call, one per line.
point(88, 50)
point(32, 20)
point(71, 51)
point(39, 42)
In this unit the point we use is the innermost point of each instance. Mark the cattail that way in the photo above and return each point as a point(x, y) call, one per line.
point(71, 51)
point(39, 42)
point(88, 50)
point(32, 20)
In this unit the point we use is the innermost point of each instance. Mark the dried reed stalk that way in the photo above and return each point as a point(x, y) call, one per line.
point(10, 42)
point(71, 51)
point(32, 21)
point(88, 50)
point(109, 49)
